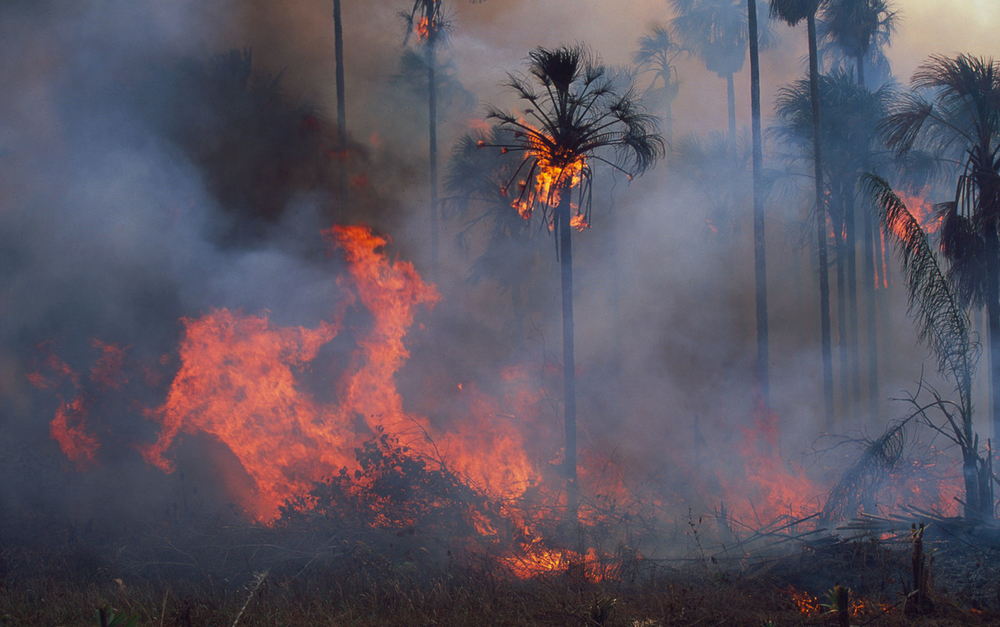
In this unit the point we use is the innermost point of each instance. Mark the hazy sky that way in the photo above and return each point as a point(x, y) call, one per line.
point(491, 38)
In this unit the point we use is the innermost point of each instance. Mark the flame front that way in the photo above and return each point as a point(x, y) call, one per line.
point(237, 381)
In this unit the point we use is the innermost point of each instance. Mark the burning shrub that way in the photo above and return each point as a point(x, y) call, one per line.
point(393, 489)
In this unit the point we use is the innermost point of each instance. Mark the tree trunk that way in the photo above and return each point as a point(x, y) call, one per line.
point(731, 99)
point(869, 277)
point(432, 107)
point(850, 249)
point(759, 249)
point(569, 359)
point(871, 319)
point(338, 48)
point(837, 218)
point(993, 322)
point(338, 51)
point(821, 226)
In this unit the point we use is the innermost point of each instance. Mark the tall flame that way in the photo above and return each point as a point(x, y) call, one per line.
point(237, 381)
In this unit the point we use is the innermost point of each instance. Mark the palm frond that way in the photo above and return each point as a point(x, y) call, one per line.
point(941, 321)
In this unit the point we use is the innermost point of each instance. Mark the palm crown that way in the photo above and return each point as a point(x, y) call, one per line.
point(578, 112)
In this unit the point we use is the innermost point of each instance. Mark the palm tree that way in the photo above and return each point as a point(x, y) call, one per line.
point(657, 53)
point(759, 243)
point(338, 52)
point(860, 29)
point(850, 142)
point(954, 113)
point(792, 12)
point(718, 32)
point(338, 47)
point(944, 325)
point(578, 114)
point(428, 22)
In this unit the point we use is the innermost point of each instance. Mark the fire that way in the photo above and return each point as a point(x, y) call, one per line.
point(71, 428)
point(557, 171)
point(237, 383)
point(422, 28)
point(237, 380)
point(579, 222)
point(922, 210)
point(768, 487)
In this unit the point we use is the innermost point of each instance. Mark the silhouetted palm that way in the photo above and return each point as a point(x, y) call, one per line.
point(718, 33)
point(657, 52)
point(953, 112)
point(427, 21)
point(578, 114)
point(860, 29)
point(792, 12)
point(851, 146)
point(477, 181)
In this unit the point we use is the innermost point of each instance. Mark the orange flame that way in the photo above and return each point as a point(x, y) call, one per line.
point(422, 28)
point(237, 381)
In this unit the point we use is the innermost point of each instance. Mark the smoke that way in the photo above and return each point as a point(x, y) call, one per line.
point(132, 195)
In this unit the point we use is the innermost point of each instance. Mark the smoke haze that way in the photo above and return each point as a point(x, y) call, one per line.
point(119, 221)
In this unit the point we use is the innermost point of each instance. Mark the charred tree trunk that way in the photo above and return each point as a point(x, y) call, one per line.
point(338, 51)
point(869, 276)
point(569, 359)
point(871, 319)
point(821, 227)
point(759, 247)
point(837, 218)
point(850, 249)
point(993, 324)
point(432, 108)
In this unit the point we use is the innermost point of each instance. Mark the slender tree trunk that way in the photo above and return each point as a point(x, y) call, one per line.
point(569, 359)
point(837, 211)
point(821, 226)
point(731, 99)
point(871, 319)
point(993, 322)
point(432, 107)
point(338, 48)
point(759, 248)
point(869, 277)
point(850, 249)
point(338, 51)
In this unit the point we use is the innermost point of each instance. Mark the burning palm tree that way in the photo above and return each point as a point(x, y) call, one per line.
point(577, 113)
